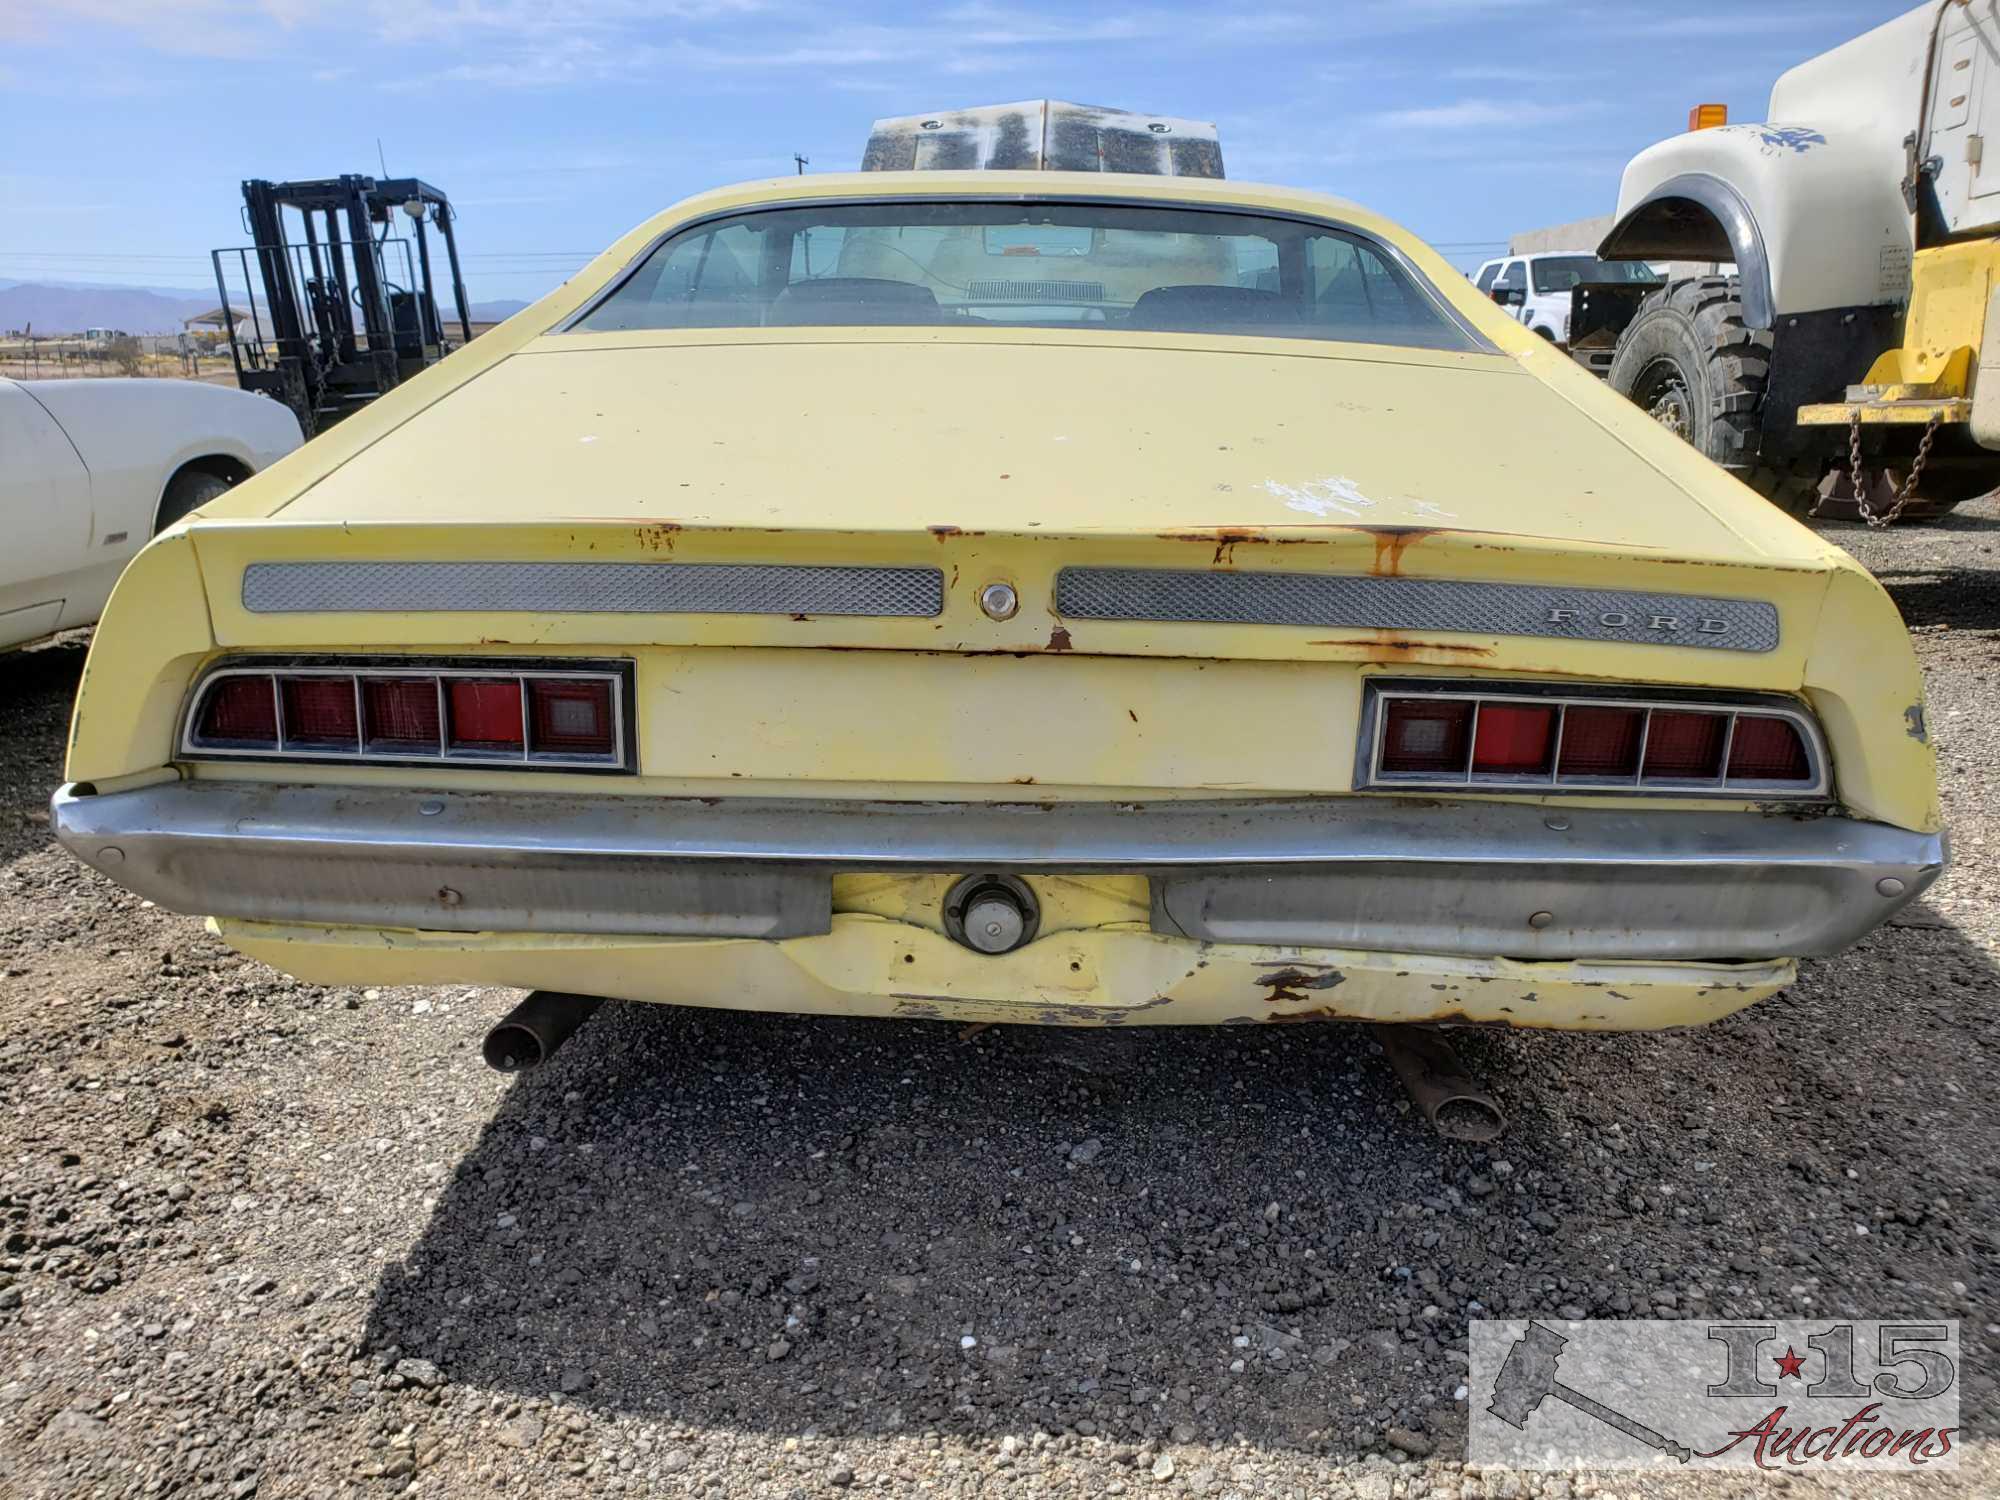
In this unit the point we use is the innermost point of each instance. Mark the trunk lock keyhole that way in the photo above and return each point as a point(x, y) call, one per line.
point(991, 913)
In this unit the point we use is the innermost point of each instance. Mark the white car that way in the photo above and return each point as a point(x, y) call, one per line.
point(91, 470)
point(1534, 289)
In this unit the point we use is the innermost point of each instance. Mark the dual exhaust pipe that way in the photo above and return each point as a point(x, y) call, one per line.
point(1456, 1106)
point(529, 1034)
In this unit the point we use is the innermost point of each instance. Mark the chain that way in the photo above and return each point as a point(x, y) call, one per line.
point(1909, 490)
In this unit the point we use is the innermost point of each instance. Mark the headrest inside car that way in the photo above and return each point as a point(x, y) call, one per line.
point(1205, 308)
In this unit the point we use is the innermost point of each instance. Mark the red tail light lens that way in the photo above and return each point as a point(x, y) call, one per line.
point(1766, 749)
point(1426, 736)
point(1525, 736)
point(1685, 745)
point(485, 714)
point(319, 713)
point(241, 713)
point(570, 717)
point(1600, 742)
point(547, 715)
point(401, 714)
point(1514, 739)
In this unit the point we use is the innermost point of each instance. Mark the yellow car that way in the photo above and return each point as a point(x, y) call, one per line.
point(1014, 596)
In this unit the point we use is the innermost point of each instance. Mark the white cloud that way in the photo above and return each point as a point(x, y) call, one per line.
point(1479, 114)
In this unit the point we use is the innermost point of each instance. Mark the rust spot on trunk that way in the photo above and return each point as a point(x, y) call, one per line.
point(1390, 544)
point(657, 536)
point(1394, 648)
point(1225, 538)
point(1059, 639)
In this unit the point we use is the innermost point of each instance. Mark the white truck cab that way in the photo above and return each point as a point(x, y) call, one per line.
point(1534, 289)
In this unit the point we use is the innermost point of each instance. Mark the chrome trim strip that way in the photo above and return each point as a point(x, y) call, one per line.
point(1464, 325)
point(1382, 873)
point(1368, 775)
point(591, 588)
point(1345, 602)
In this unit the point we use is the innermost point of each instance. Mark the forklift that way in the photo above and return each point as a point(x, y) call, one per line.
point(348, 309)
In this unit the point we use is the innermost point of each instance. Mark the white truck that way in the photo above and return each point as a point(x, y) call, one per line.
point(1534, 289)
point(1845, 358)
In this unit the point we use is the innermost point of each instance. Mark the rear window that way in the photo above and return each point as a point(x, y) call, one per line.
point(1045, 265)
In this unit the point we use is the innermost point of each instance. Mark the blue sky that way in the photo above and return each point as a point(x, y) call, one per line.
point(556, 126)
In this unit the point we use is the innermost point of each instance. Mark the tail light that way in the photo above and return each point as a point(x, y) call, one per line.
point(1766, 750)
point(1514, 739)
point(402, 714)
point(1600, 743)
point(1427, 737)
point(242, 711)
point(1506, 737)
point(556, 715)
point(571, 716)
point(484, 716)
point(320, 713)
point(1685, 745)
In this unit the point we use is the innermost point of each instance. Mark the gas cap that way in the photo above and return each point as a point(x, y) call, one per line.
point(991, 913)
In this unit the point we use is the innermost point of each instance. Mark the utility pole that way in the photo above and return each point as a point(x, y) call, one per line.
point(803, 161)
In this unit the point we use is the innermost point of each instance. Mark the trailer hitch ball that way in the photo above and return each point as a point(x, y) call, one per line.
point(991, 913)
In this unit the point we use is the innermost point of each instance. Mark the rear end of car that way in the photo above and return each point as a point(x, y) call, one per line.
point(943, 667)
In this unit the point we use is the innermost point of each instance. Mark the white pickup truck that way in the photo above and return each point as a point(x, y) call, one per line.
point(1534, 289)
point(91, 470)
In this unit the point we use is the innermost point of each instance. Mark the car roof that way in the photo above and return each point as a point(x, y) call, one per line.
point(882, 187)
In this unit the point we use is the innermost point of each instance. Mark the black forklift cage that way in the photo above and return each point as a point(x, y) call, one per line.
point(343, 255)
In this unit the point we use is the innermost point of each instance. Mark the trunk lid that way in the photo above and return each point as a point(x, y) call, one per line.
point(992, 457)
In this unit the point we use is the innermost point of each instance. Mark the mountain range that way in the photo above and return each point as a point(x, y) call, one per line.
point(55, 308)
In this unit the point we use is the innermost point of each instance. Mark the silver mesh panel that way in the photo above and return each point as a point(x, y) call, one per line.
point(591, 588)
point(1420, 604)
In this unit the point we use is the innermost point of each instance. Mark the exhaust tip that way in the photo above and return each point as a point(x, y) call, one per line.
point(512, 1049)
point(1473, 1119)
point(528, 1035)
point(1457, 1108)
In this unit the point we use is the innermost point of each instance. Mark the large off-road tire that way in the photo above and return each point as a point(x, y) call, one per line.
point(1688, 359)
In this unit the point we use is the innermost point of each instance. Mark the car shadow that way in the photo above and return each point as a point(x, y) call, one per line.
point(1960, 598)
point(37, 686)
point(763, 1222)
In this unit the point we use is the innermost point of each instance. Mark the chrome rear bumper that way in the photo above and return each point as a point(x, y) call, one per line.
point(1395, 875)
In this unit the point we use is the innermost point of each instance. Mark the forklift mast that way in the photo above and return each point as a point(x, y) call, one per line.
point(347, 311)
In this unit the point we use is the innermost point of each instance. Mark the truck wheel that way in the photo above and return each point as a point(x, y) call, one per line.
point(1688, 360)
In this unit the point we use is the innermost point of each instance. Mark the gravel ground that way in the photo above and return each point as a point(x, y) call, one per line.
point(262, 1237)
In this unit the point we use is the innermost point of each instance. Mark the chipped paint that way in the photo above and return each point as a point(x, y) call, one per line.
point(1289, 984)
point(1059, 640)
point(1335, 495)
point(1913, 718)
